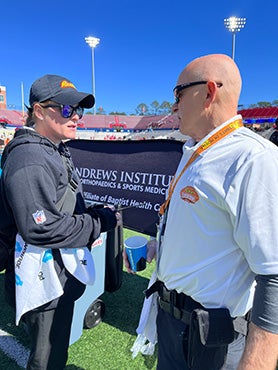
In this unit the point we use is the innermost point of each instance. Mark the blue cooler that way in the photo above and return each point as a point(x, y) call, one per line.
point(89, 309)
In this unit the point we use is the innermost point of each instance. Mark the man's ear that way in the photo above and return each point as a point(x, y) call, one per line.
point(211, 92)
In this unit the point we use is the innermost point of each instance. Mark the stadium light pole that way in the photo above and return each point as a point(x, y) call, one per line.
point(234, 25)
point(93, 42)
point(22, 99)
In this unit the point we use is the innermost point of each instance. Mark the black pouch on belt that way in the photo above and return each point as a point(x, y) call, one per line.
point(210, 332)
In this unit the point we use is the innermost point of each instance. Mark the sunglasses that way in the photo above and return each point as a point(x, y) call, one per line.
point(177, 90)
point(67, 111)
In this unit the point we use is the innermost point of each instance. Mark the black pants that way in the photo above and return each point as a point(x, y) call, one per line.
point(172, 347)
point(49, 332)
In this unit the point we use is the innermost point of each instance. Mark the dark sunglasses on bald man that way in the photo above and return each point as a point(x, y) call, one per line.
point(67, 111)
point(177, 89)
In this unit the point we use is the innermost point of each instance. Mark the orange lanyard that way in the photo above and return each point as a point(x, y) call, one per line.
point(217, 136)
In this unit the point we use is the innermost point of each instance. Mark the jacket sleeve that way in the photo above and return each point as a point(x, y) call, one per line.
point(106, 216)
point(32, 194)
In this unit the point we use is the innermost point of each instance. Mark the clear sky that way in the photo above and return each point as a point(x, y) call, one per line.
point(144, 45)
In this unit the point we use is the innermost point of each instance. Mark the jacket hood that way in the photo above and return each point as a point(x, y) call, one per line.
point(25, 136)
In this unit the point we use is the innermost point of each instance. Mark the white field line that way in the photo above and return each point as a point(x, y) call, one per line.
point(13, 349)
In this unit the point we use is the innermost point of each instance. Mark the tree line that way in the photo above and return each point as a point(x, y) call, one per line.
point(155, 108)
point(142, 109)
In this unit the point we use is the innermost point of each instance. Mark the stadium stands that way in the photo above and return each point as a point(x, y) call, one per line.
point(106, 127)
point(260, 115)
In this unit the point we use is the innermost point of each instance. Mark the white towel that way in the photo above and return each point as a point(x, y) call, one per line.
point(146, 330)
point(79, 262)
point(36, 279)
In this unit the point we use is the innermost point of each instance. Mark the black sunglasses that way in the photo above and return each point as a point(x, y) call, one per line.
point(67, 110)
point(181, 87)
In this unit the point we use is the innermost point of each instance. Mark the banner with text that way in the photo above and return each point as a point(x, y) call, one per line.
point(131, 174)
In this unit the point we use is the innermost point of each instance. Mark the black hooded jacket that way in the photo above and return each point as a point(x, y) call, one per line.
point(34, 179)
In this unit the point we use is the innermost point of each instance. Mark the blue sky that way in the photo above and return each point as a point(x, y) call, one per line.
point(144, 45)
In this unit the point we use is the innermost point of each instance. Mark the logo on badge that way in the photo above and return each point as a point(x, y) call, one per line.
point(39, 217)
point(189, 194)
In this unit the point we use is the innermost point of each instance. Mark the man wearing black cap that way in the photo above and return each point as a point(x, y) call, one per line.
point(43, 213)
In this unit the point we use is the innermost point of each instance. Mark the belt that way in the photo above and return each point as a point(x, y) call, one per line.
point(179, 314)
point(180, 306)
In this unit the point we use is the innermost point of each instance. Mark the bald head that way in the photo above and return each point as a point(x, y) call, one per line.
point(219, 68)
point(202, 107)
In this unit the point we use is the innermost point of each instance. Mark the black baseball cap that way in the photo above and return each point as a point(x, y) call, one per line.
point(60, 90)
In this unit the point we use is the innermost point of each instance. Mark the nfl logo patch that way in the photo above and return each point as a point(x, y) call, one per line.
point(39, 217)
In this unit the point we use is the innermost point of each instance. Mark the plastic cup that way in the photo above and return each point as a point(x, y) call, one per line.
point(136, 250)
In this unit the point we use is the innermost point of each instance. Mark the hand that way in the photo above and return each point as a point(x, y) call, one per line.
point(151, 250)
point(117, 214)
point(119, 219)
point(126, 262)
point(151, 254)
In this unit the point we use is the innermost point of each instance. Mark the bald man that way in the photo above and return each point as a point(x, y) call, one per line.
point(218, 239)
